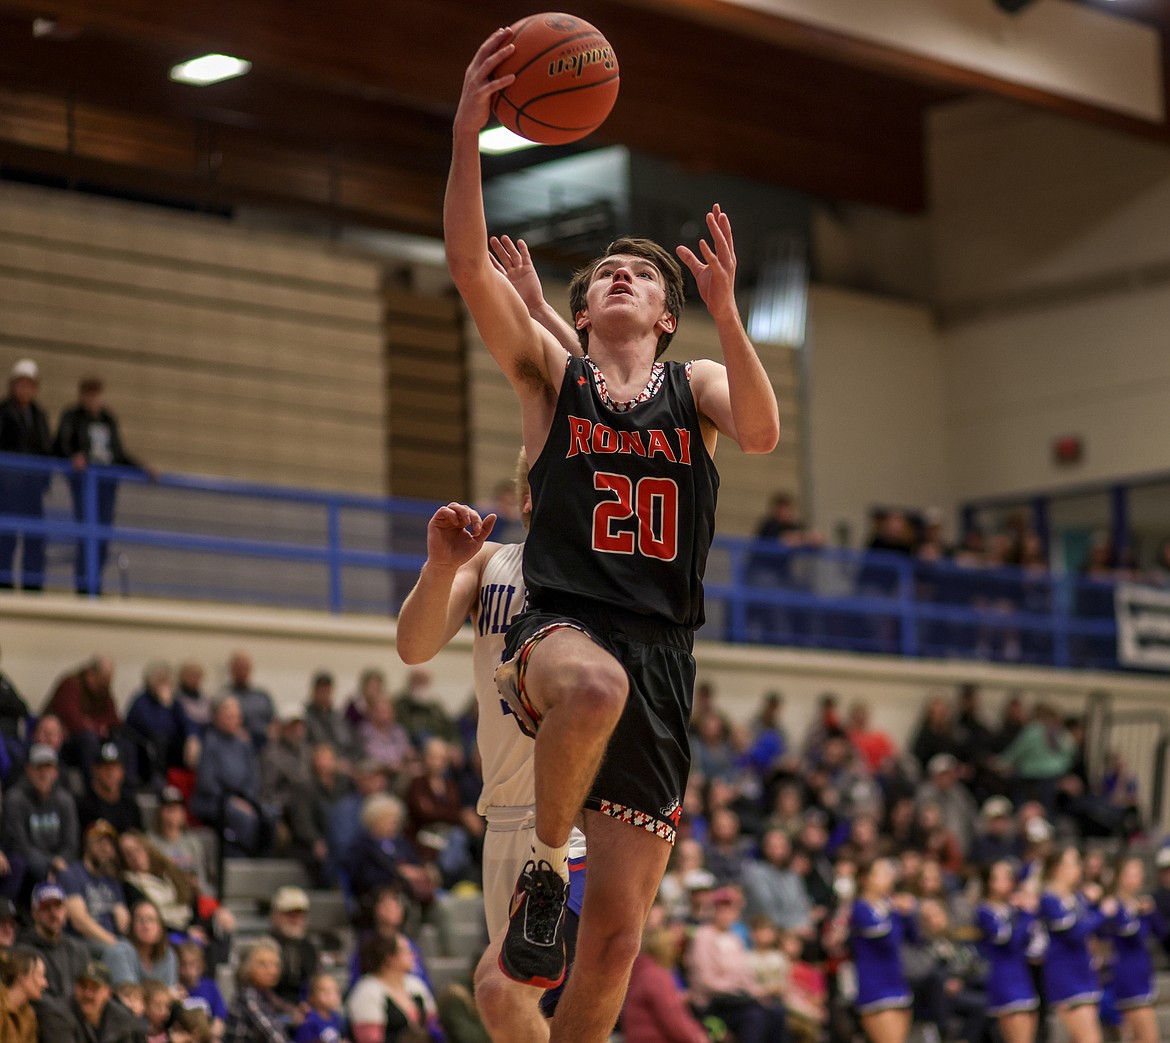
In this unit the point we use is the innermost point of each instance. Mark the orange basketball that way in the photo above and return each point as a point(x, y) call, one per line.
point(566, 79)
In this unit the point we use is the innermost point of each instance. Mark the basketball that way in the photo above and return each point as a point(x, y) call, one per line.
point(566, 79)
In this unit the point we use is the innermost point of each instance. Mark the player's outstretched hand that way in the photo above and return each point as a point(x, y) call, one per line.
point(514, 260)
point(455, 533)
point(475, 103)
point(714, 272)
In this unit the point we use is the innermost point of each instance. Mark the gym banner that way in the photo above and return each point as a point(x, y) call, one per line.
point(1143, 626)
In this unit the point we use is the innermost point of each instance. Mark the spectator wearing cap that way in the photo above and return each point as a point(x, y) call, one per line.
point(94, 898)
point(107, 798)
point(284, 766)
point(721, 979)
point(995, 839)
point(256, 707)
point(325, 723)
point(65, 957)
point(942, 787)
point(312, 808)
point(227, 782)
point(157, 726)
point(24, 428)
point(98, 1017)
point(88, 435)
point(84, 703)
point(40, 818)
point(289, 920)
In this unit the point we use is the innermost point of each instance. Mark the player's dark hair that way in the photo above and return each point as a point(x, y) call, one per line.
point(648, 250)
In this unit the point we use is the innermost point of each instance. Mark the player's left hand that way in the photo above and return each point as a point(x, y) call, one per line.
point(455, 533)
point(715, 272)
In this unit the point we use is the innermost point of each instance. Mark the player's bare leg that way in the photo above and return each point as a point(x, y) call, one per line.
point(580, 690)
point(577, 690)
point(626, 864)
point(510, 1011)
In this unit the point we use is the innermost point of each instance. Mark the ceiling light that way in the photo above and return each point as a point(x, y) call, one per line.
point(499, 140)
point(211, 68)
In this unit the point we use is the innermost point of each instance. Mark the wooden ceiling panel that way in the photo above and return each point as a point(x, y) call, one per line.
point(349, 103)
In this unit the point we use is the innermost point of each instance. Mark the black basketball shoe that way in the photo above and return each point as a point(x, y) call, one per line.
point(533, 952)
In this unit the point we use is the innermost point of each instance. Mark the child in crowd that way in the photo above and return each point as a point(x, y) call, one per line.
point(768, 964)
point(806, 996)
point(131, 996)
point(192, 978)
point(190, 1023)
point(156, 1002)
point(324, 1022)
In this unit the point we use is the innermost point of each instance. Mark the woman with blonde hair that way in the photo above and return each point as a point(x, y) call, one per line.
point(254, 1016)
point(656, 1010)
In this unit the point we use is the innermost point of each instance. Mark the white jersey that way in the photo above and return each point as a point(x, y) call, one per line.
point(509, 782)
point(506, 751)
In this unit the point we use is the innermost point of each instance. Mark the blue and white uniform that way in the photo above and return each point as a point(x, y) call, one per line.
point(1069, 977)
point(877, 932)
point(509, 784)
point(1004, 935)
point(1131, 966)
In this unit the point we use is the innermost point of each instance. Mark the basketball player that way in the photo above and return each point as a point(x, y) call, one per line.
point(599, 666)
point(464, 575)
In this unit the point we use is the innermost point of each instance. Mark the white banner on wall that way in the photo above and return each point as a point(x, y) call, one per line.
point(1143, 626)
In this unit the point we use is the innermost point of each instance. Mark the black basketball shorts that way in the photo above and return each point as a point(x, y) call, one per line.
point(643, 774)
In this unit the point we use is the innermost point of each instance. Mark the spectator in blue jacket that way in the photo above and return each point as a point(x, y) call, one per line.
point(157, 726)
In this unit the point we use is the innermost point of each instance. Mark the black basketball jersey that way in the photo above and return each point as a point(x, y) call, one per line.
point(623, 499)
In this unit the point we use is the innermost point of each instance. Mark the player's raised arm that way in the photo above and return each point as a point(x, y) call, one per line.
point(447, 587)
point(514, 260)
point(521, 348)
point(736, 397)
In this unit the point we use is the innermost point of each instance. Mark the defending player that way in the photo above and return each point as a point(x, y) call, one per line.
point(623, 489)
point(464, 575)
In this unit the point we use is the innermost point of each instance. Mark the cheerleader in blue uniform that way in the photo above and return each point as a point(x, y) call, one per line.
point(1132, 921)
point(1070, 982)
point(878, 923)
point(1005, 921)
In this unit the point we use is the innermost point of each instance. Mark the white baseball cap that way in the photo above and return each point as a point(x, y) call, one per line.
point(25, 368)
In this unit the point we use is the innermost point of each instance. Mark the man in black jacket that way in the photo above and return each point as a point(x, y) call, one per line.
point(65, 957)
point(88, 435)
point(99, 1017)
point(24, 428)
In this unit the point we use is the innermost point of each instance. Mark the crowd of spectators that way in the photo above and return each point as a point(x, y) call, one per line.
point(374, 794)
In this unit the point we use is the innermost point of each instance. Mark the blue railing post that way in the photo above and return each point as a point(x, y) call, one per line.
point(333, 513)
point(89, 492)
point(1063, 600)
point(736, 604)
point(909, 607)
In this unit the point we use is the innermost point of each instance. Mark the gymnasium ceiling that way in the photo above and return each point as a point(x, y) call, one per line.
point(346, 113)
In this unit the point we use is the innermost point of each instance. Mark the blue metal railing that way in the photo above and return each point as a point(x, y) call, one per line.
point(203, 538)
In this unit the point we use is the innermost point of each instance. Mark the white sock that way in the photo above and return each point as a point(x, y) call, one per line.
point(557, 857)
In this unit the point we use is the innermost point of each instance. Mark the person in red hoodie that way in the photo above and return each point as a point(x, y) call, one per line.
point(656, 1009)
point(84, 704)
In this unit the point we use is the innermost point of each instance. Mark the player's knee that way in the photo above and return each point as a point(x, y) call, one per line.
point(493, 992)
point(615, 946)
point(599, 694)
